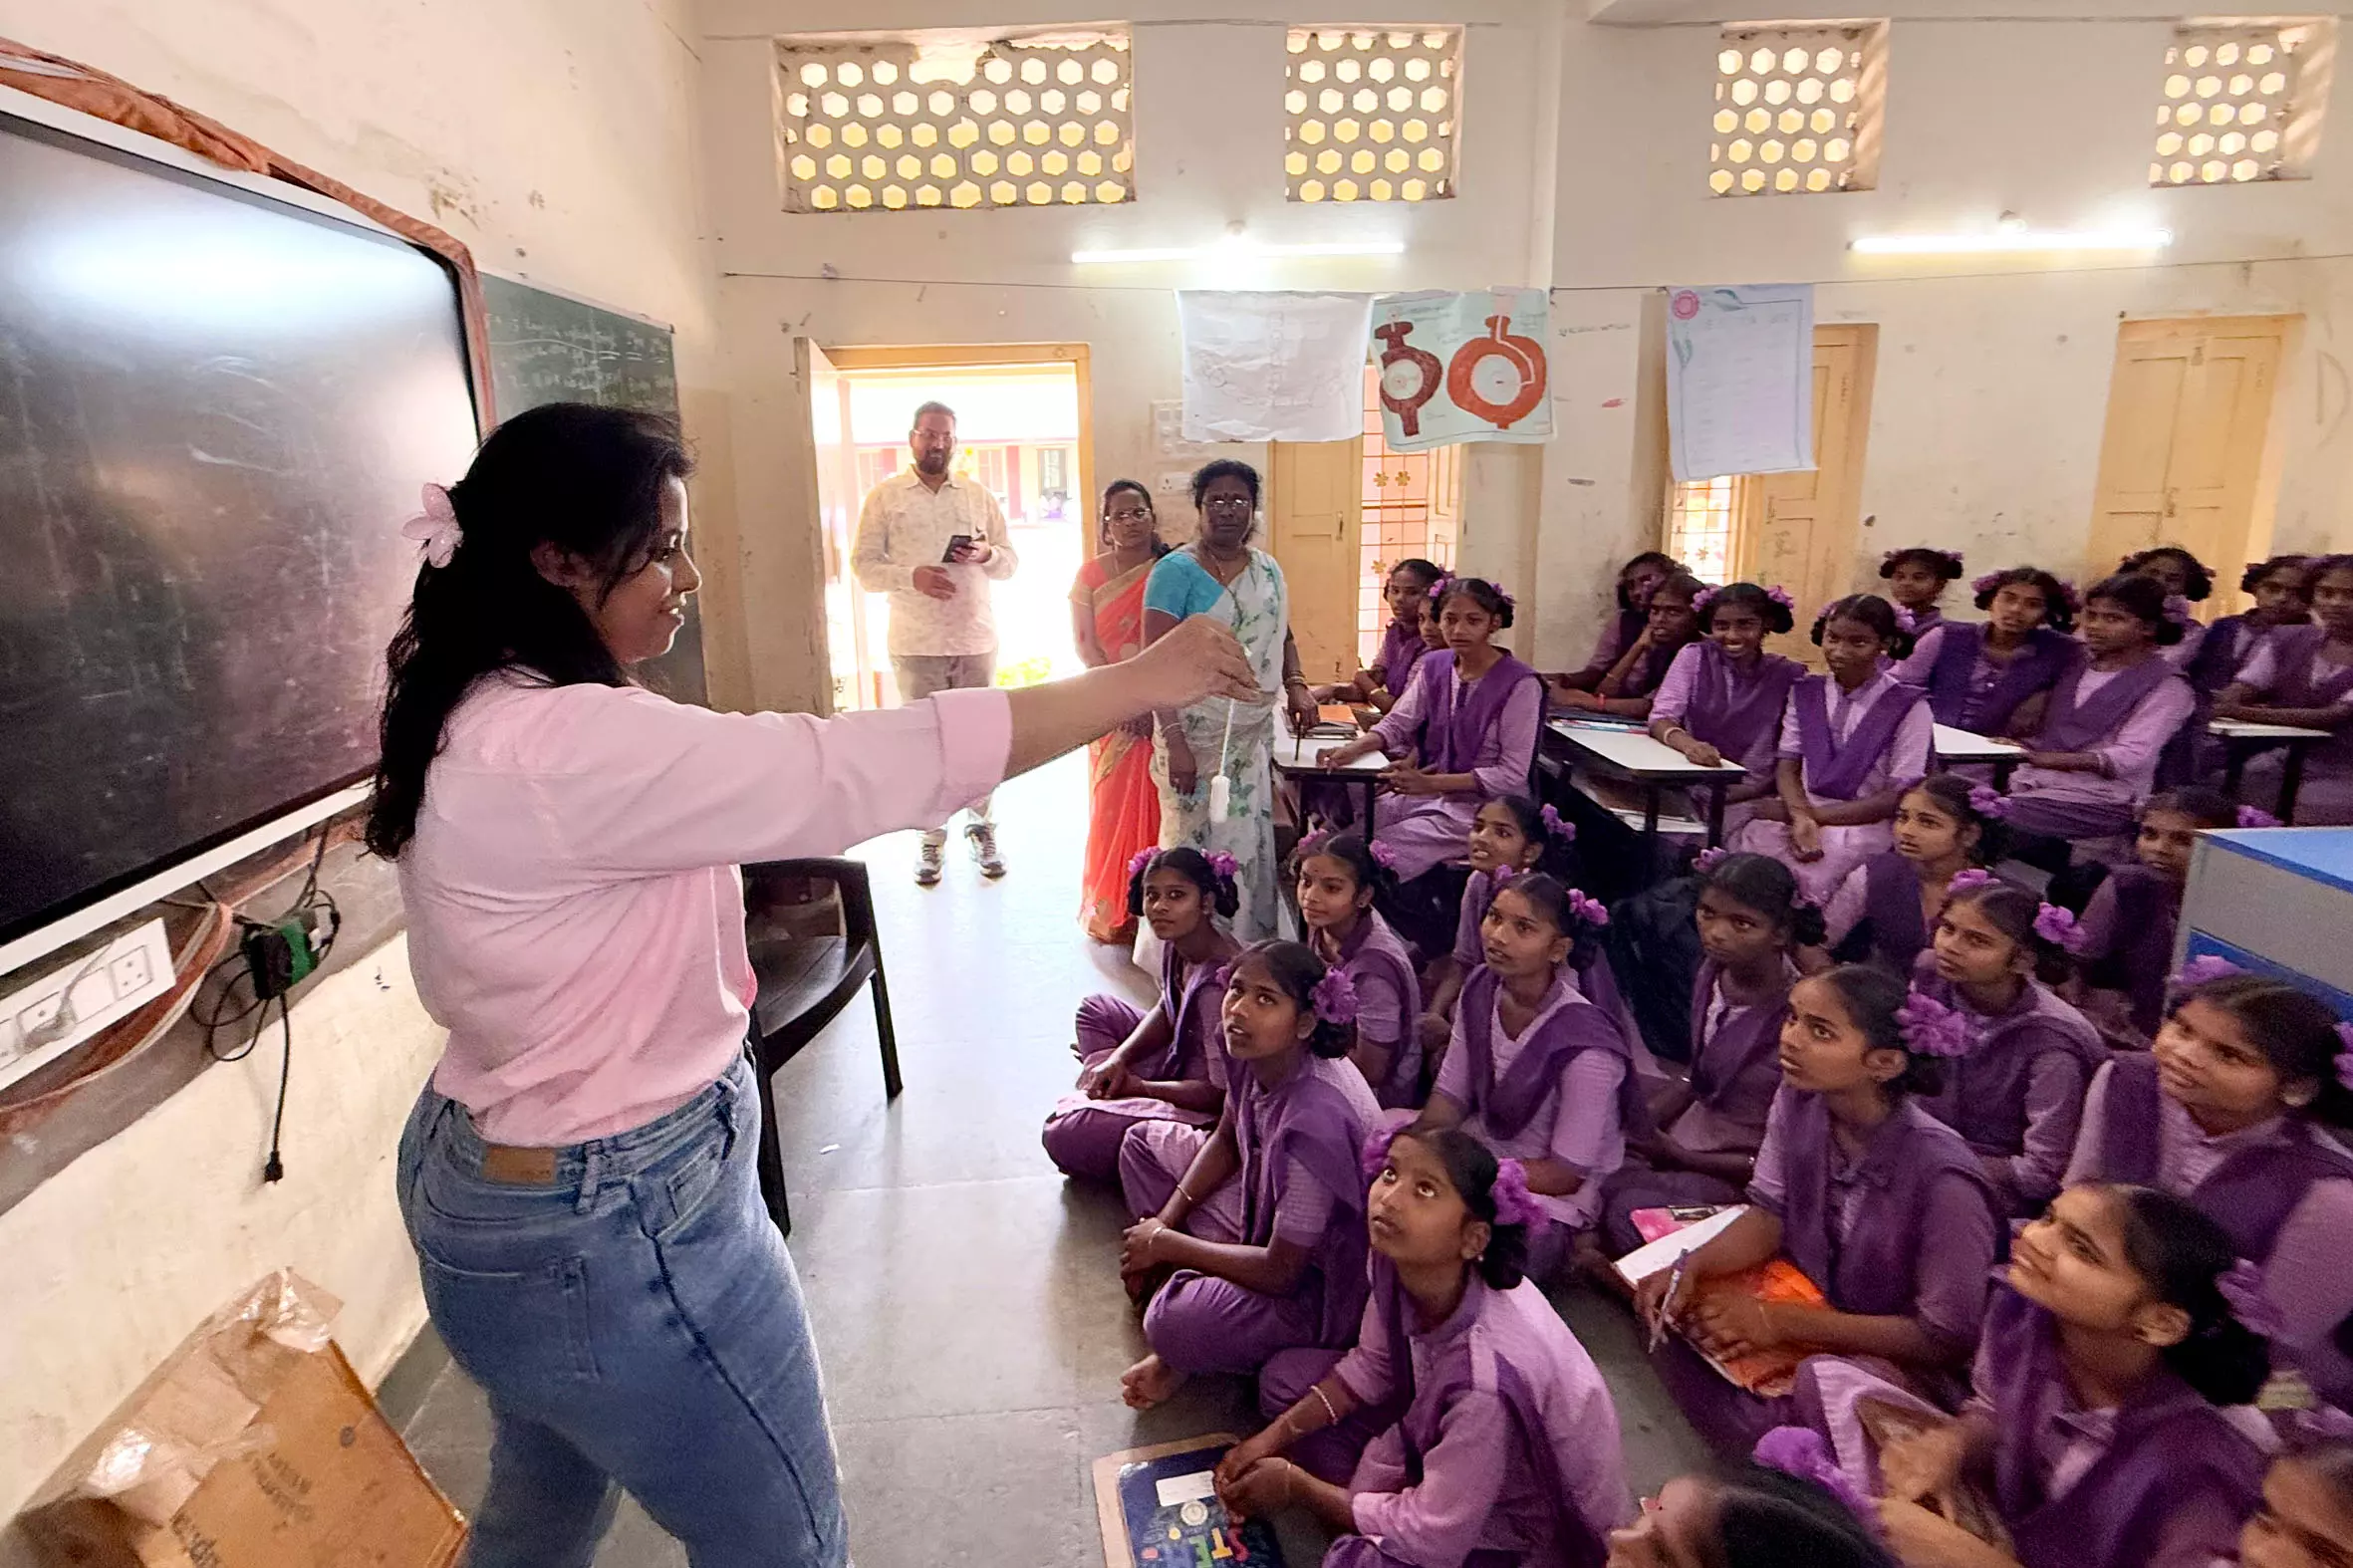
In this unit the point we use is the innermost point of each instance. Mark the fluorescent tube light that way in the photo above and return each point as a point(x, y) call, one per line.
point(1237, 251)
point(1991, 241)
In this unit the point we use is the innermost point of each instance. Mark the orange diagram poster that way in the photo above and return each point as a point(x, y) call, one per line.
point(1462, 366)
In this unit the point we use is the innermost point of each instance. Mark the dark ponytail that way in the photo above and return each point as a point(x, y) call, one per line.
point(1763, 884)
point(1497, 603)
point(2013, 911)
point(1565, 909)
point(1768, 1520)
point(2058, 600)
point(588, 482)
point(1472, 1167)
point(2141, 598)
point(1778, 616)
point(1873, 999)
point(1296, 972)
point(2198, 579)
point(1955, 796)
point(1217, 891)
point(1551, 846)
point(2184, 1255)
point(1873, 612)
point(1350, 850)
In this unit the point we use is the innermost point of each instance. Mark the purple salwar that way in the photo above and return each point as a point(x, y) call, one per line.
point(1081, 1136)
point(1851, 745)
point(2126, 715)
point(2017, 1095)
point(1389, 998)
point(1487, 729)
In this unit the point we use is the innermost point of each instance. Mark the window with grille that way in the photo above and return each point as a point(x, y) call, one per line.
point(1701, 517)
point(892, 126)
point(2233, 107)
point(1797, 110)
point(1372, 115)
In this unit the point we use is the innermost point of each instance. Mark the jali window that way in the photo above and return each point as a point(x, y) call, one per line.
point(1797, 110)
point(1373, 116)
point(2237, 104)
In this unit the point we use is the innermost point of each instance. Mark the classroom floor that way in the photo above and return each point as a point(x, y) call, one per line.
point(964, 1296)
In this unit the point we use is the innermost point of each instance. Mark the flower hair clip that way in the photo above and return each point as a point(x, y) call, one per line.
point(435, 528)
point(1514, 1203)
point(1987, 584)
point(1968, 880)
point(2058, 927)
point(1930, 1028)
point(1372, 1156)
point(2241, 1289)
point(1501, 875)
point(1334, 997)
point(1805, 1453)
point(1383, 855)
point(1708, 859)
point(1989, 803)
point(1223, 978)
point(1556, 825)
point(2256, 817)
point(1780, 596)
point(1591, 912)
point(1703, 598)
point(1437, 590)
point(1139, 863)
point(1905, 622)
point(1223, 866)
point(2205, 966)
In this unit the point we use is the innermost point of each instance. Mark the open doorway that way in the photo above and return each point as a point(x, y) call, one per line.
point(1023, 433)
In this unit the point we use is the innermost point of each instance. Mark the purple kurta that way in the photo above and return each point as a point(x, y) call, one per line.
point(2017, 1095)
point(1852, 744)
point(2290, 670)
point(1400, 650)
point(1504, 1449)
point(2128, 949)
point(1388, 1000)
point(1487, 727)
point(1881, 897)
point(2125, 715)
point(1736, 710)
point(1970, 689)
point(1081, 1136)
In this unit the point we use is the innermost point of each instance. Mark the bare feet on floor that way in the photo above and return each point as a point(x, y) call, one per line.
point(1150, 1382)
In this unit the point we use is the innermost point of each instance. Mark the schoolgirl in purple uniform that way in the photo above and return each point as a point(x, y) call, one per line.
point(2125, 942)
point(2282, 591)
point(2096, 1426)
point(2307, 1518)
point(1407, 592)
point(1878, 1203)
point(1497, 1439)
point(1852, 742)
point(2303, 676)
point(1510, 834)
point(1264, 1219)
point(1722, 698)
point(2183, 575)
point(1162, 1065)
point(2240, 1107)
point(2015, 1082)
point(1985, 677)
point(1638, 578)
point(1627, 690)
point(1536, 1067)
point(1916, 579)
point(1710, 1123)
point(1747, 1515)
point(1337, 879)
point(1886, 908)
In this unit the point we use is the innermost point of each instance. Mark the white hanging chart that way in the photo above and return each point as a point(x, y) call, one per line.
point(1274, 366)
point(1740, 380)
point(1462, 367)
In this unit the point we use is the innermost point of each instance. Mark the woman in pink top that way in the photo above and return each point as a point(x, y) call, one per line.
point(578, 1180)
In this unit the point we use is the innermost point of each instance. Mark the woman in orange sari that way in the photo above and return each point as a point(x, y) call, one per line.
point(1106, 615)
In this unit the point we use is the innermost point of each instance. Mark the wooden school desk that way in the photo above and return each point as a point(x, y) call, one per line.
point(1300, 761)
point(1653, 765)
point(1955, 746)
point(2241, 740)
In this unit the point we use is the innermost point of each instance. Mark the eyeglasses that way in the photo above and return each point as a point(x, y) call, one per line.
point(1132, 515)
point(1228, 503)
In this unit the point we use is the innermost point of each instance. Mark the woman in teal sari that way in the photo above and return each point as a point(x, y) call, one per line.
point(1221, 574)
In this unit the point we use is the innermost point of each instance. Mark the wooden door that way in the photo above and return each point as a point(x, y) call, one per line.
point(853, 642)
point(2182, 462)
point(1314, 504)
point(1797, 530)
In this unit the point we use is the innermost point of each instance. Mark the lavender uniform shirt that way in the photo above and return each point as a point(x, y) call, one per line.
point(2130, 749)
point(1577, 1123)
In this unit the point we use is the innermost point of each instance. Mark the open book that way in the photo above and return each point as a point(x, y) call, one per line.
point(1778, 1280)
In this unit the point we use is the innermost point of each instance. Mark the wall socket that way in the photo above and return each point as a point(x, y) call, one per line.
point(90, 993)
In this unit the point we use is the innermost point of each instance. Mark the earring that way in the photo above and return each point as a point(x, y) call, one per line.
point(2300, 1097)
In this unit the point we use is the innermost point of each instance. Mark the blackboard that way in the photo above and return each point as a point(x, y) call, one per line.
point(550, 348)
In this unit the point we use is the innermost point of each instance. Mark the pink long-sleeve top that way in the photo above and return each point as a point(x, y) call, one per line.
point(1578, 1122)
point(575, 915)
point(2131, 749)
point(1904, 763)
point(1501, 766)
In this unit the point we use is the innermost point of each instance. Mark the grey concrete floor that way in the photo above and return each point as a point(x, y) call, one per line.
point(964, 1297)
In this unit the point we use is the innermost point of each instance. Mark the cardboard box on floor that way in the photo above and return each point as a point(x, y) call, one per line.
point(253, 1446)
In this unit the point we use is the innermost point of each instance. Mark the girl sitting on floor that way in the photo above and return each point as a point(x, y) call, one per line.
point(2306, 1517)
point(1535, 1067)
point(1883, 913)
point(2240, 1107)
point(1751, 924)
point(2016, 1089)
point(1264, 1219)
point(1852, 742)
point(1407, 592)
point(2126, 940)
point(1510, 835)
point(1499, 1442)
point(2182, 576)
point(1916, 579)
point(1747, 1517)
point(1985, 677)
point(1339, 877)
point(2095, 754)
point(2095, 1431)
point(1476, 711)
point(1162, 1065)
point(1878, 1203)
point(1723, 695)
point(1673, 624)
point(1638, 578)
point(2303, 676)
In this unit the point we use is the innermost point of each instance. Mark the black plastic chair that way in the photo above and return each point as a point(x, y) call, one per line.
point(805, 984)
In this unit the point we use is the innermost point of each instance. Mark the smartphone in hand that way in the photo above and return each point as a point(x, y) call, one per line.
point(957, 546)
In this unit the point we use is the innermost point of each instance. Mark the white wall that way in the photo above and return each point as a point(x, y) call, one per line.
point(556, 138)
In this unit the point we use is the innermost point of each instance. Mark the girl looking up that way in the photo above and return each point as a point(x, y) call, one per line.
point(1986, 678)
point(2307, 1518)
point(1162, 1065)
point(1501, 1440)
point(1916, 579)
point(1672, 624)
point(1339, 880)
point(1852, 742)
point(2110, 716)
point(1875, 1202)
point(2240, 1107)
point(1751, 924)
point(1510, 835)
point(1723, 695)
point(1475, 710)
point(1747, 1517)
point(2094, 1426)
point(2183, 575)
point(2125, 945)
point(1886, 908)
point(2303, 676)
point(1263, 1219)
point(1535, 1068)
point(2016, 1089)
point(1638, 578)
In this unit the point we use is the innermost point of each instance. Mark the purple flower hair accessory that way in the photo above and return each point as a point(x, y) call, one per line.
point(1989, 803)
point(1905, 622)
point(1383, 855)
point(1931, 1028)
point(1514, 1203)
point(2057, 925)
point(2205, 966)
point(1987, 584)
point(1702, 599)
point(1437, 590)
point(1224, 865)
point(1805, 1453)
point(1224, 979)
point(1556, 826)
point(2256, 817)
point(1373, 1156)
point(1334, 997)
point(1968, 880)
point(1314, 843)
point(1708, 859)
point(1590, 911)
point(1139, 863)
point(435, 528)
point(2345, 1056)
point(1780, 596)
point(1501, 875)
point(2241, 1288)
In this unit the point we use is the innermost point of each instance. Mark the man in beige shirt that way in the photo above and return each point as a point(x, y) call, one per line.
point(933, 542)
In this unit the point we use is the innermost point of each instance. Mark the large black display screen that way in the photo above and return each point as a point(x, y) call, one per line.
point(215, 412)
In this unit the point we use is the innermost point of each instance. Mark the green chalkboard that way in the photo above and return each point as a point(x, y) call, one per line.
point(547, 348)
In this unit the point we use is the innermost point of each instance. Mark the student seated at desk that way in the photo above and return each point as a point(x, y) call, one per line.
point(2125, 942)
point(2303, 676)
point(1627, 690)
point(1886, 908)
point(1407, 592)
point(1723, 697)
point(1638, 578)
point(1985, 677)
point(2283, 590)
point(1916, 579)
point(2183, 575)
point(1852, 742)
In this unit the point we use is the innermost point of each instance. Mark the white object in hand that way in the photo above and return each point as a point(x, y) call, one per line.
point(1221, 797)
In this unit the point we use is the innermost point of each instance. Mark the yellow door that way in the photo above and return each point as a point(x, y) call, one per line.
point(1313, 506)
point(1798, 529)
point(2189, 411)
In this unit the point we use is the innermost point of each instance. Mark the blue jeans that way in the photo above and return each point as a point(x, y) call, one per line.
point(636, 1324)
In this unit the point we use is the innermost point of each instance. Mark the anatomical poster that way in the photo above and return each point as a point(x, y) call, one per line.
point(1462, 366)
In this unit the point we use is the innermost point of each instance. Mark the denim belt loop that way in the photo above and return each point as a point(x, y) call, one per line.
point(592, 1174)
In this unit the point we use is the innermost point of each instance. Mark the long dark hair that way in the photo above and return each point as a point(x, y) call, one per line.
point(2182, 1254)
point(588, 482)
point(2057, 613)
point(1763, 886)
point(2295, 1030)
point(1218, 892)
point(1765, 1520)
point(2012, 910)
point(1875, 614)
point(1296, 972)
point(1955, 796)
point(1871, 998)
point(2141, 598)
